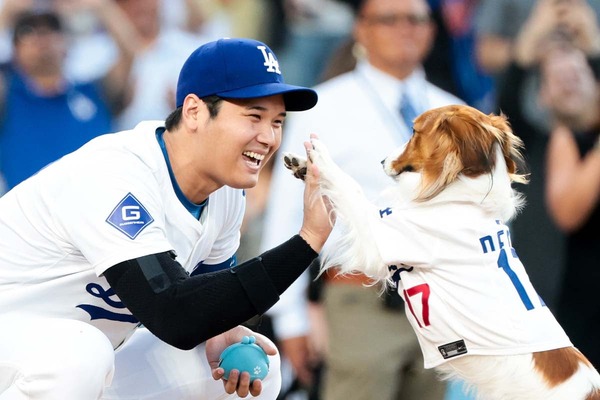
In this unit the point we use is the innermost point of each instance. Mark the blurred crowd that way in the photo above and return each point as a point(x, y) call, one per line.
point(71, 70)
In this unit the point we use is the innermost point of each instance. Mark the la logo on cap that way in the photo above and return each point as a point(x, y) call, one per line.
point(270, 61)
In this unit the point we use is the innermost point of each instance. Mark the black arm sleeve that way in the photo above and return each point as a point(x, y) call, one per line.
point(185, 311)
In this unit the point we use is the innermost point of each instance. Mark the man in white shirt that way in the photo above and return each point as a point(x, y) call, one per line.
point(141, 227)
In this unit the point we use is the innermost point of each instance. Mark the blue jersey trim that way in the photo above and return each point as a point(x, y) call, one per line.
point(194, 209)
point(202, 268)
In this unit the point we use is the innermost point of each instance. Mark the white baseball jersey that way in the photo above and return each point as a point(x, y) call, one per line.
point(465, 290)
point(110, 201)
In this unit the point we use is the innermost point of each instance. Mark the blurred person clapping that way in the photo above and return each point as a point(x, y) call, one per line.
point(572, 94)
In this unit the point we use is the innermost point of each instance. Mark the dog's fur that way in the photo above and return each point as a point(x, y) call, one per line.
point(450, 144)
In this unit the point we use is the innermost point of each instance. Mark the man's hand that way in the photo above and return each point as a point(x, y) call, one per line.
point(318, 218)
point(237, 383)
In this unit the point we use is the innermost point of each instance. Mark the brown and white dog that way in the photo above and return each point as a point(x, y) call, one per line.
point(440, 236)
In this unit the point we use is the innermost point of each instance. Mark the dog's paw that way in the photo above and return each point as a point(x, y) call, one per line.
point(320, 156)
point(296, 164)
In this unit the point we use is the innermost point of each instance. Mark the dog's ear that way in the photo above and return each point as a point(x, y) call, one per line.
point(511, 146)
point(442, 161)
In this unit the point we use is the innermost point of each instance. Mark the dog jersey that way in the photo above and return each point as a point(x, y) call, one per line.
point(465, 290)
point(65, 232)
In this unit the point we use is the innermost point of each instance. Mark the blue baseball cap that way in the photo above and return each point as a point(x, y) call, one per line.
point(239, 69)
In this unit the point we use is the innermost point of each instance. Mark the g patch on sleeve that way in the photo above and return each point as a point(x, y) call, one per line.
point(130, 216)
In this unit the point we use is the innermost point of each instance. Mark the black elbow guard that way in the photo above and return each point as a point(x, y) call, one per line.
point(144, 285)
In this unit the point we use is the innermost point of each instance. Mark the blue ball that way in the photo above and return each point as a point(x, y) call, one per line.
point(245, 356)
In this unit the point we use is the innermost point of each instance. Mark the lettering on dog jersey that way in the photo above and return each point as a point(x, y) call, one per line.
point(508, 261)
point(385, 212)
point(491, 242)
point(130, 216)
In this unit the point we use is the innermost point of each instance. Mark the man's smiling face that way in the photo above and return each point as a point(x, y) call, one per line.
point(241, 139)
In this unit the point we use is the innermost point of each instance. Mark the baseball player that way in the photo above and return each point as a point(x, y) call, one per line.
point(140, 228)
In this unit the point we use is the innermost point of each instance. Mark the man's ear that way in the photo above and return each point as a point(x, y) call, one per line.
point(192, 112)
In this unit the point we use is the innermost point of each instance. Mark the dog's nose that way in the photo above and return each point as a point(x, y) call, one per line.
point(383, 162)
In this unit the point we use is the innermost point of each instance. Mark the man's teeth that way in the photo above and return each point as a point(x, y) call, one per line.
point(256, 156)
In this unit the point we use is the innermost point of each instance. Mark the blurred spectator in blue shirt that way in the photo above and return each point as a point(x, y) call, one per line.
point(44, 115)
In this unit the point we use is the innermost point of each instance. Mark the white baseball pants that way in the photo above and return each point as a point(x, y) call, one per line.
point(58, 359)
